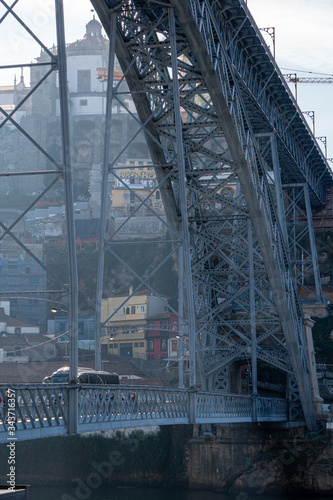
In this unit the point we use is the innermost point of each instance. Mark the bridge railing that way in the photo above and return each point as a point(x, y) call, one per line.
point(239, 408)
point(273, 410)
point(34, 411)
point(223, 407)
point(128, 406)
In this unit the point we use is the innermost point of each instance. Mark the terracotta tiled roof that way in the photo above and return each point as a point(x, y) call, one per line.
point(4, 318)
point(12, 340)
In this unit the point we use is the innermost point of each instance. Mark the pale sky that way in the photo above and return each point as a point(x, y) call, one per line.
point(303, 29)
point(304, 41)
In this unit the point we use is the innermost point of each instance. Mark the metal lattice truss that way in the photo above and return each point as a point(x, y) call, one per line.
point(53, 166)
point(302, 245)
point(242, 300)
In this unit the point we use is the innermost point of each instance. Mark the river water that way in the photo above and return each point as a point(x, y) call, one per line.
point(123, 493)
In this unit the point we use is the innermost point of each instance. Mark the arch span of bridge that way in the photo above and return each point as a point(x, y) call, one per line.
point(235, 161)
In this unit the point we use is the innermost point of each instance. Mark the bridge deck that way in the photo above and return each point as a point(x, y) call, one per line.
point(37, 411)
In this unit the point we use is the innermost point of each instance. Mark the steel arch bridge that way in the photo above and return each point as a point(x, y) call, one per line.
point(236, 165)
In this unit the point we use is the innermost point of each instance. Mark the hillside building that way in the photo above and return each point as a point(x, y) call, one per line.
point(127, 323)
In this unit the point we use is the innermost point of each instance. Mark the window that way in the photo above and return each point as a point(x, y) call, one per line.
point(83, 102)
point(163, 345)
point(158, 195)
point(81, 328)
point(142, 344)
point(136, 344)
point(142, 309)
point(62, 326)
point(163, 327)
point(33, 280)
point(13, 267)
point(84, 80)
point(151, 345)
point(13, 280)
point(132, 309)
point(17, 330)
point(115, 346)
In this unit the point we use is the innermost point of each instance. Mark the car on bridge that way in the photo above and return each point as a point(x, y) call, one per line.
point(85, 376)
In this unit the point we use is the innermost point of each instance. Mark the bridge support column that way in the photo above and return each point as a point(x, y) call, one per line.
point(185, 236)
point(181, 315)
point(69, 197)
point(104, 194)
point(73, 403)
point(254, 407)
point(192, 400)
point(317, 400)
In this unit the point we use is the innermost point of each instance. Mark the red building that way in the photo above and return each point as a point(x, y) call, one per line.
point(161, 329)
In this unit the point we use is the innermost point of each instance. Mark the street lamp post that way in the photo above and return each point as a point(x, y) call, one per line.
point(55, 310)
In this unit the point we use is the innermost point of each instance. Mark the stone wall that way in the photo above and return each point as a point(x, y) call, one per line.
point(258, 460)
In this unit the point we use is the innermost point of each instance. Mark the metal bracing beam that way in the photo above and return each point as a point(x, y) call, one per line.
point(313, 246)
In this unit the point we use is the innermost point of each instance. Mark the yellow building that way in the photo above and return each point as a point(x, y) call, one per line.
point(140, 178)
point(126, 326)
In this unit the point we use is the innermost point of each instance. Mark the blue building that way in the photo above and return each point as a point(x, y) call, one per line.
point(19, 275)
point(60, 325)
